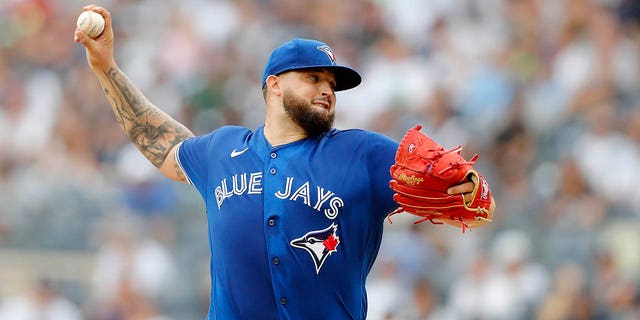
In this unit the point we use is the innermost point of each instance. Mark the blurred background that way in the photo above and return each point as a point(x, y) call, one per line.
point(546, 92)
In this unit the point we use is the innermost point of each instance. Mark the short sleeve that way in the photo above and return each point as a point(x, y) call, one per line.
point(191, 156)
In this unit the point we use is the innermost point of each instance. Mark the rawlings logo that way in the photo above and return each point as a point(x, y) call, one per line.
point(485, 189)
point(412, 148)
point(410, 180)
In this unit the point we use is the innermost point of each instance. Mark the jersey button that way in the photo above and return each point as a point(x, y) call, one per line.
point(276, 261)
point(283, 301)
point(274, 155)
point(272, 170)
point(271, 222)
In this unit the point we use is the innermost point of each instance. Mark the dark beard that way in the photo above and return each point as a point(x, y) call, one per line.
point(302, 113)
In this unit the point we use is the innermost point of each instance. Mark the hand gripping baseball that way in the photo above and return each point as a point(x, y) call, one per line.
point(422, 173)
point(99, 50)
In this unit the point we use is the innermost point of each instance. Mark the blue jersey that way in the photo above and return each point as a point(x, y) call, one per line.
point(294, 229)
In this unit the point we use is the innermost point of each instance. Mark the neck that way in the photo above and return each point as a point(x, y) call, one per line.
point(279, 132)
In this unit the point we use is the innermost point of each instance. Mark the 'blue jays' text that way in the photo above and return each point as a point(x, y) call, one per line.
point(318, 198)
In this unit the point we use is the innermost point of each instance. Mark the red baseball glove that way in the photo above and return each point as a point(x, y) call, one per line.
point(421, 175)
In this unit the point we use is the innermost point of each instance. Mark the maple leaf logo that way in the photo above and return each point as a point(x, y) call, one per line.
point(331, 243)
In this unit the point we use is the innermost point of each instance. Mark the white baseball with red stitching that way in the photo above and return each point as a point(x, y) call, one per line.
point(91, 23)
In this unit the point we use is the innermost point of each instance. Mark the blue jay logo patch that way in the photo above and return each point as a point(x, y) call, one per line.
point(329, 53)
point(319, 244)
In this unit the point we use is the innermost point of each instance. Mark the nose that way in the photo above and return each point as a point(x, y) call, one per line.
point(326, 89)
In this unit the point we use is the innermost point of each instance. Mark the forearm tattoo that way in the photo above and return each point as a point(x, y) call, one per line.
point(152, 131)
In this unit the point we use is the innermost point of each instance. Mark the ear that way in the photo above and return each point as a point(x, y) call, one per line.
point(273, 85)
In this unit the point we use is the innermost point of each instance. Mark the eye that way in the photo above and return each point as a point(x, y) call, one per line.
point(313, 77)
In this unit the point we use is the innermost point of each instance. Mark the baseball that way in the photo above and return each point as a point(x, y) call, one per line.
point(92, 23)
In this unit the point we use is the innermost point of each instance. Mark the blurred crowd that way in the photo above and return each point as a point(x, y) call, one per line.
point(546, 92)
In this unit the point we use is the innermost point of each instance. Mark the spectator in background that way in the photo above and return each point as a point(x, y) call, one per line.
point(568, 65)
point(505, 284)
point(466, 295)
point(602, 141)
point(128, 259)
point(566, 299)
point(613, 295)
point(424, 303)
point(41, 301)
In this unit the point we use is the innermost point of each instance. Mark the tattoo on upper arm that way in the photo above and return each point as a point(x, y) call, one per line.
point(179, 172)
point(152, 131)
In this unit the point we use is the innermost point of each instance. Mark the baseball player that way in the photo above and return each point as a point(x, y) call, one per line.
point(295, 208)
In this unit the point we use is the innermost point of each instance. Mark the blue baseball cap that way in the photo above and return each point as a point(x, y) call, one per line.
point(306, 53)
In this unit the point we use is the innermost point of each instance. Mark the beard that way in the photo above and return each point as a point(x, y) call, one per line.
point(302, 112)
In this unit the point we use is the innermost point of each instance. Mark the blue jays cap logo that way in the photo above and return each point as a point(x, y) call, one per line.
point(326, 49)
point(319, 244)
point(308, 53)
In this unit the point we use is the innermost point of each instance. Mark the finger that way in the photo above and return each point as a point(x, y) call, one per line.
point(80, 37)
point(468, 197)
point(461, 188)
point(104, 13)
point(89, 7)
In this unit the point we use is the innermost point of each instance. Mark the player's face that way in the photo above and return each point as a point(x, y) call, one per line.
point(310, 100)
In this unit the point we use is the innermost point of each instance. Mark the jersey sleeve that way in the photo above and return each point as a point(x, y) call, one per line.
point(381, 152)
point(191, 156)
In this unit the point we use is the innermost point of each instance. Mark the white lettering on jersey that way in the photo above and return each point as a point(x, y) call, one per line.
point(322, 197)
point(326, 201)
point(287, 189)
point(238, 186)
point(333, 211)
point(304, 192)
point(243, 186)
point(255, 183)
point(222, 192)
point(219, 196)
point(225, 189)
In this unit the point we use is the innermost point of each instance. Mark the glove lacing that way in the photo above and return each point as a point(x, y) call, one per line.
point(435, 156)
